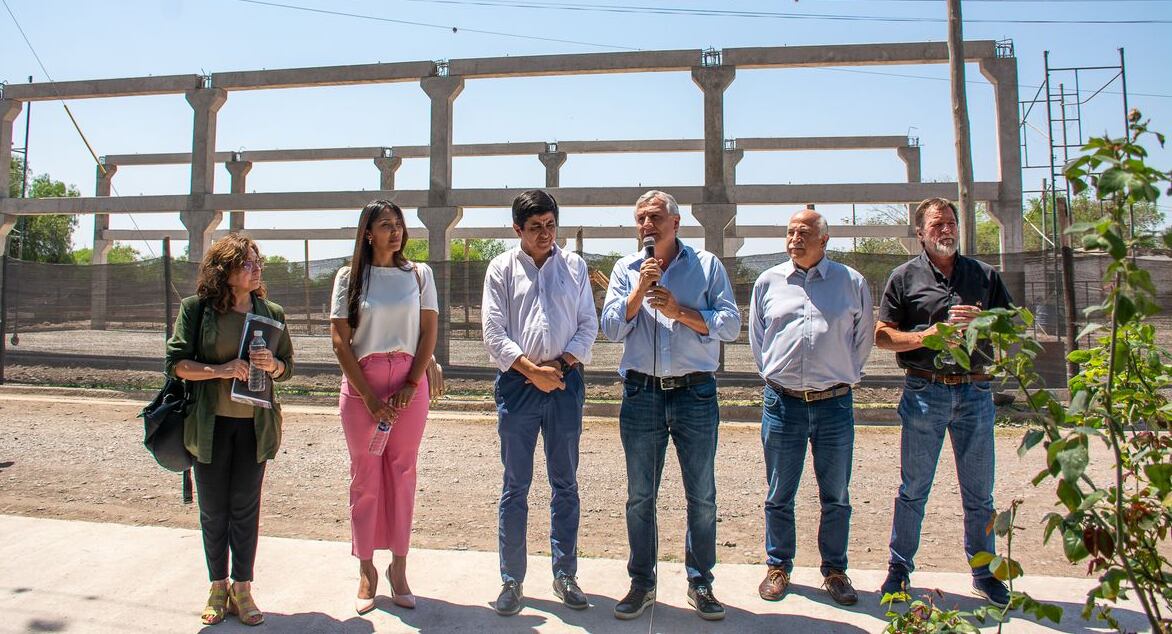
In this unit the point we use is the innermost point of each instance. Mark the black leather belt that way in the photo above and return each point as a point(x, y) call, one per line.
point(949, 379)
point(668, 382)
point(810, 396)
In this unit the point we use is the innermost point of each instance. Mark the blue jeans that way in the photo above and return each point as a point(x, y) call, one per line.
point(927, 410)
point(828, 426)
point(522, 412)
point(690, 417)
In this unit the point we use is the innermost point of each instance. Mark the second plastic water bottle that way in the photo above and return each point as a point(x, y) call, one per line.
point(378, 440)
point(257, 378)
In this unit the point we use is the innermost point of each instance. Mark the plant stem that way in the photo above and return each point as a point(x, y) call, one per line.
point(1115, 432)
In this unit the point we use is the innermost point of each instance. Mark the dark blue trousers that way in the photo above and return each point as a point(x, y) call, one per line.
point(522, 412)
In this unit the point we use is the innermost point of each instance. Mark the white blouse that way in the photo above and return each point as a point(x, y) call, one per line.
point(389, 308)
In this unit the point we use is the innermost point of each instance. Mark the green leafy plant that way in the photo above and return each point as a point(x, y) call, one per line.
point(1118, 527)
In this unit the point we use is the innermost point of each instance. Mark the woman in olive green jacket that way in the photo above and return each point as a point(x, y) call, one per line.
point(231, 440)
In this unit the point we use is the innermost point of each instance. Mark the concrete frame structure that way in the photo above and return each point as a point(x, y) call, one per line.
point(440, 207)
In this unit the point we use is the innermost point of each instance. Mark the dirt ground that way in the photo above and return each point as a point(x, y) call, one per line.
point(72, 457)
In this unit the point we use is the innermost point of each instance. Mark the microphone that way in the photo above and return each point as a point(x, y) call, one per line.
point(649, 251)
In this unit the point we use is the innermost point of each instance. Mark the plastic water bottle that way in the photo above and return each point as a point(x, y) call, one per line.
point(378, 440)
point(257, 378)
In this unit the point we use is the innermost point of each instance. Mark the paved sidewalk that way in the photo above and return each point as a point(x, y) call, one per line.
point(71, 576)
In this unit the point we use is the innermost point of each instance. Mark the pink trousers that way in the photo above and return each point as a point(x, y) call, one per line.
point(382, 488)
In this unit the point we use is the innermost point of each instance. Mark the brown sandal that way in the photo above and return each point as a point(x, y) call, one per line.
point(241, 604)
point(213, 612)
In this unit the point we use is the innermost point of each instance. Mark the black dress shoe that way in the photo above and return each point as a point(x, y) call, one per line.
point(896, 584)
point(510, 599)
point(566, 588)
point(634, 603)
point(700, 597)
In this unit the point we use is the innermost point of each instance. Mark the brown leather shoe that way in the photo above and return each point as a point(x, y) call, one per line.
point(774, 585)
point(840, 588)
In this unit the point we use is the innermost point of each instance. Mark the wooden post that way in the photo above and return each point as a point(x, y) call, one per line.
point(960, 118)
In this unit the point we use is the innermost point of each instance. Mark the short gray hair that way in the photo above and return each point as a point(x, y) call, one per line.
point(673, 209)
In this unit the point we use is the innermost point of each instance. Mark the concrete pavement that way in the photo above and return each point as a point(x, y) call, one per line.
point(72, 576)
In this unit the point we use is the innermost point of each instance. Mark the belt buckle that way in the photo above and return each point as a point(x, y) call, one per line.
point(671, 382)
point(809, 396)
point(953, 379)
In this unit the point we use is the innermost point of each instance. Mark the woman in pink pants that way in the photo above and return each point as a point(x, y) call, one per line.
point(383, 326)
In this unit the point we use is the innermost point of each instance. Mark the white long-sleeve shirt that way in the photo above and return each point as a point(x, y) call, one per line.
point(537, 312)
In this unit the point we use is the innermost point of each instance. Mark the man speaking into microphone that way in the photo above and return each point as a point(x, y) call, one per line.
point(671, 306)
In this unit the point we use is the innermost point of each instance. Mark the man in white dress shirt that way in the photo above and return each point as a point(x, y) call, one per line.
point(539, 326)
point(811, 329)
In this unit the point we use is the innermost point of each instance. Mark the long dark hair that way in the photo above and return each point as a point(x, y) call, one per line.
point(364, 253)
point(222, 259)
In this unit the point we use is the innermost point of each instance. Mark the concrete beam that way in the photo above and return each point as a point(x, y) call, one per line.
point(852, 54)
point(95, 88)
point(787, 144)
point(323, 76)
point(387, 166)
point(828, 193)
point(576, 64)
point(506, 233)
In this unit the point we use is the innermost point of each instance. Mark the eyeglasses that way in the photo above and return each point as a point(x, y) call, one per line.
point(252, 265)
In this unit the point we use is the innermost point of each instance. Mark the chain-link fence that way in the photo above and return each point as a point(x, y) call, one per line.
point(113, 302)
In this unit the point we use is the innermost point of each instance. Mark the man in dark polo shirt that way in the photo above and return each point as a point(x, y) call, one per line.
point(941, 286)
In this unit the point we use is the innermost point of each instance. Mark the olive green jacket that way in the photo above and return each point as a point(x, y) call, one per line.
point(201, 419)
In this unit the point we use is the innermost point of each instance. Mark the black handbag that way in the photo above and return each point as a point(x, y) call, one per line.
point(163, 417)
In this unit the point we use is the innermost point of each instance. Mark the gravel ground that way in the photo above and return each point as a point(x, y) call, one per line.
point(62, 456)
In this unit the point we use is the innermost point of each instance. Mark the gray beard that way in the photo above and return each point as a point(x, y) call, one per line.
point(940, 250)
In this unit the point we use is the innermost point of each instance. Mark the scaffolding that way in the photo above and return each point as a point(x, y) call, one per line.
point(1063, 103)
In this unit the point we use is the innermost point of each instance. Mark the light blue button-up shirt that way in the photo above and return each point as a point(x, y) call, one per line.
point(666, 347)
point(811, 330)
point(537, 312)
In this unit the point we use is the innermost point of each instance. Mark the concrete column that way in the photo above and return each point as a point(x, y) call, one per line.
point(732, 157)
point(716, 211)
point(100, 281)
point(387, 166)
point(1008, 216)
point(239, 171)
point(439, 222)
point(443, 92)
point(9, 110)
point(1002, 73)
point(199, 220)
point(578, 242)
point(910, 154)
point(713, 80)
point(553, 162)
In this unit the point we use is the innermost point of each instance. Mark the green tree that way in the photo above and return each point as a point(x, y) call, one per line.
point(1148, 219)
point(988, 231)
point(119, 254)
point(479, 249)
point(45, 238)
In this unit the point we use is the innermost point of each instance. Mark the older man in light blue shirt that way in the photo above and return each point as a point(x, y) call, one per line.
point(671, 311)
point(811, 328)
point(539, 326)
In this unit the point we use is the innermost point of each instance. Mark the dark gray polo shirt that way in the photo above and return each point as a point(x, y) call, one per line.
point(918, 295)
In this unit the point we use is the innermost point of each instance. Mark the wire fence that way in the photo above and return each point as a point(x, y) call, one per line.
point(42, 299)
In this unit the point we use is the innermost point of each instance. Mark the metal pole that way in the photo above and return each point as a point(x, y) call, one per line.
point(1127, 134)
point(1068, 287)
point(3, 307)
point(305, 286)
point(167, 286)
point(855, 224)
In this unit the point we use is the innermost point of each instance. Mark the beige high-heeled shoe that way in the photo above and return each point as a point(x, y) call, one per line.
point(241, 604)
point(401, 600)
point(361, 605)
point(217, 606)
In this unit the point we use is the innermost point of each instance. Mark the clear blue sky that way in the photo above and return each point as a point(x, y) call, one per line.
point(83, 40)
